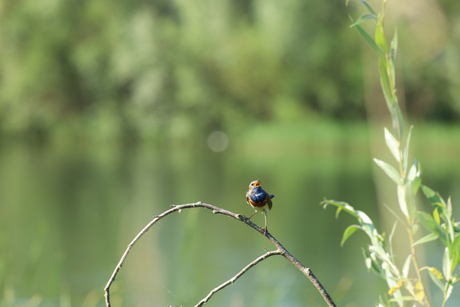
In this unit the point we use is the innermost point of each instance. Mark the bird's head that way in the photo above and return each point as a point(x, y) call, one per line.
point(254, 184)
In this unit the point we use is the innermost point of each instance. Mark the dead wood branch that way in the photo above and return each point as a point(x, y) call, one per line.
point(216, 210)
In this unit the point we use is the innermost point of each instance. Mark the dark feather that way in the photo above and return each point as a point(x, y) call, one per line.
point(259, 196)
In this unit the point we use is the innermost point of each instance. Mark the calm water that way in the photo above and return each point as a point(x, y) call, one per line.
point(67, 214)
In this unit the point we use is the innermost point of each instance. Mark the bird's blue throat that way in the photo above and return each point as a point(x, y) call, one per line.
point(258, 195)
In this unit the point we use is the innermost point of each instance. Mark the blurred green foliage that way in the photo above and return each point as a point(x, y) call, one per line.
point(162, 68)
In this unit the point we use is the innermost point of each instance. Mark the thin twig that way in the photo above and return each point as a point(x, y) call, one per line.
point(303, 269)
point(234, 278)
point(216, 210)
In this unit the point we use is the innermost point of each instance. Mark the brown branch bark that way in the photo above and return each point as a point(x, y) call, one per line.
point(216, 210)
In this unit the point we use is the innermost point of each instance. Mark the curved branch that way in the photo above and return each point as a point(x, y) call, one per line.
point(234, 278)
point(216, 210)
point(306, 271)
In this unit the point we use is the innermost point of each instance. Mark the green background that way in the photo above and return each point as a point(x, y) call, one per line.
point(106, 108)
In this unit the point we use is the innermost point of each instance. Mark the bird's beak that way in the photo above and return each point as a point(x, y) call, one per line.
point(257, 184)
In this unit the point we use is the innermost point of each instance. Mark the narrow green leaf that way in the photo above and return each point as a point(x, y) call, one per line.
point(367, 225)
point(391, 75)
point(368, 7)
point(394, 46)
point(446, 264)
point(370, 41)
point(363, 18)
point(430, 224)
point(455, 279)
point(448, 290)
point(432, 196)
point(406, 266)
point(416, 184)
point(402, 202)
point(406, 151)
point(427, 221)
point(410, 200)
point(443, 213)
point(348, 232)
point(342, 205)
point(397, 119)
point(414, 229)
point(394, 213)
point(338, 212)
point(377, 269)
point(385, 83)
point(390, 238)
point(392, 144)
point(415, 176)
point(380, 39)
point(456, 242)
point(392, 60)
point(393, 231)
point(436, 216)
point(435, 279)
point(371, 264)
point(364, 218)
point(427, 238)
point(390, 171)
point(455, 255)
point(412, 172)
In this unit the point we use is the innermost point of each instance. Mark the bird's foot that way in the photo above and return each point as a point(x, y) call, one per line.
point(243, 217)
point(265, 231)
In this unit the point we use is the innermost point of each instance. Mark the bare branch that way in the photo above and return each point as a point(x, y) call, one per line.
point(216, 210)
point(307, 271)
point(234, 278)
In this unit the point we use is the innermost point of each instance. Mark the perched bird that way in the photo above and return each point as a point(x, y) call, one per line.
point(259, 199)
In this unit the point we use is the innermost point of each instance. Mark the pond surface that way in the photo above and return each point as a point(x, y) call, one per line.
point(68, 212)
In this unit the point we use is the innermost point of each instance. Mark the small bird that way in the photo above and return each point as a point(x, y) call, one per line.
point(259, 200)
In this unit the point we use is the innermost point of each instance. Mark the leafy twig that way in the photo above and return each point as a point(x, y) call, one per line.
point(441, 224)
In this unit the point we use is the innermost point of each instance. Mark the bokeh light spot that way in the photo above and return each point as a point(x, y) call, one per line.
point(218, 141)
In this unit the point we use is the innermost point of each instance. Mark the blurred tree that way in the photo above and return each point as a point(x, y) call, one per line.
point(176, 68)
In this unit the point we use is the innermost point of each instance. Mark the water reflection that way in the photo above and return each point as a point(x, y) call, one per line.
point(67, 215)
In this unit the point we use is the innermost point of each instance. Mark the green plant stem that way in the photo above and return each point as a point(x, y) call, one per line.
point(444, 300)
point(416, 267)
